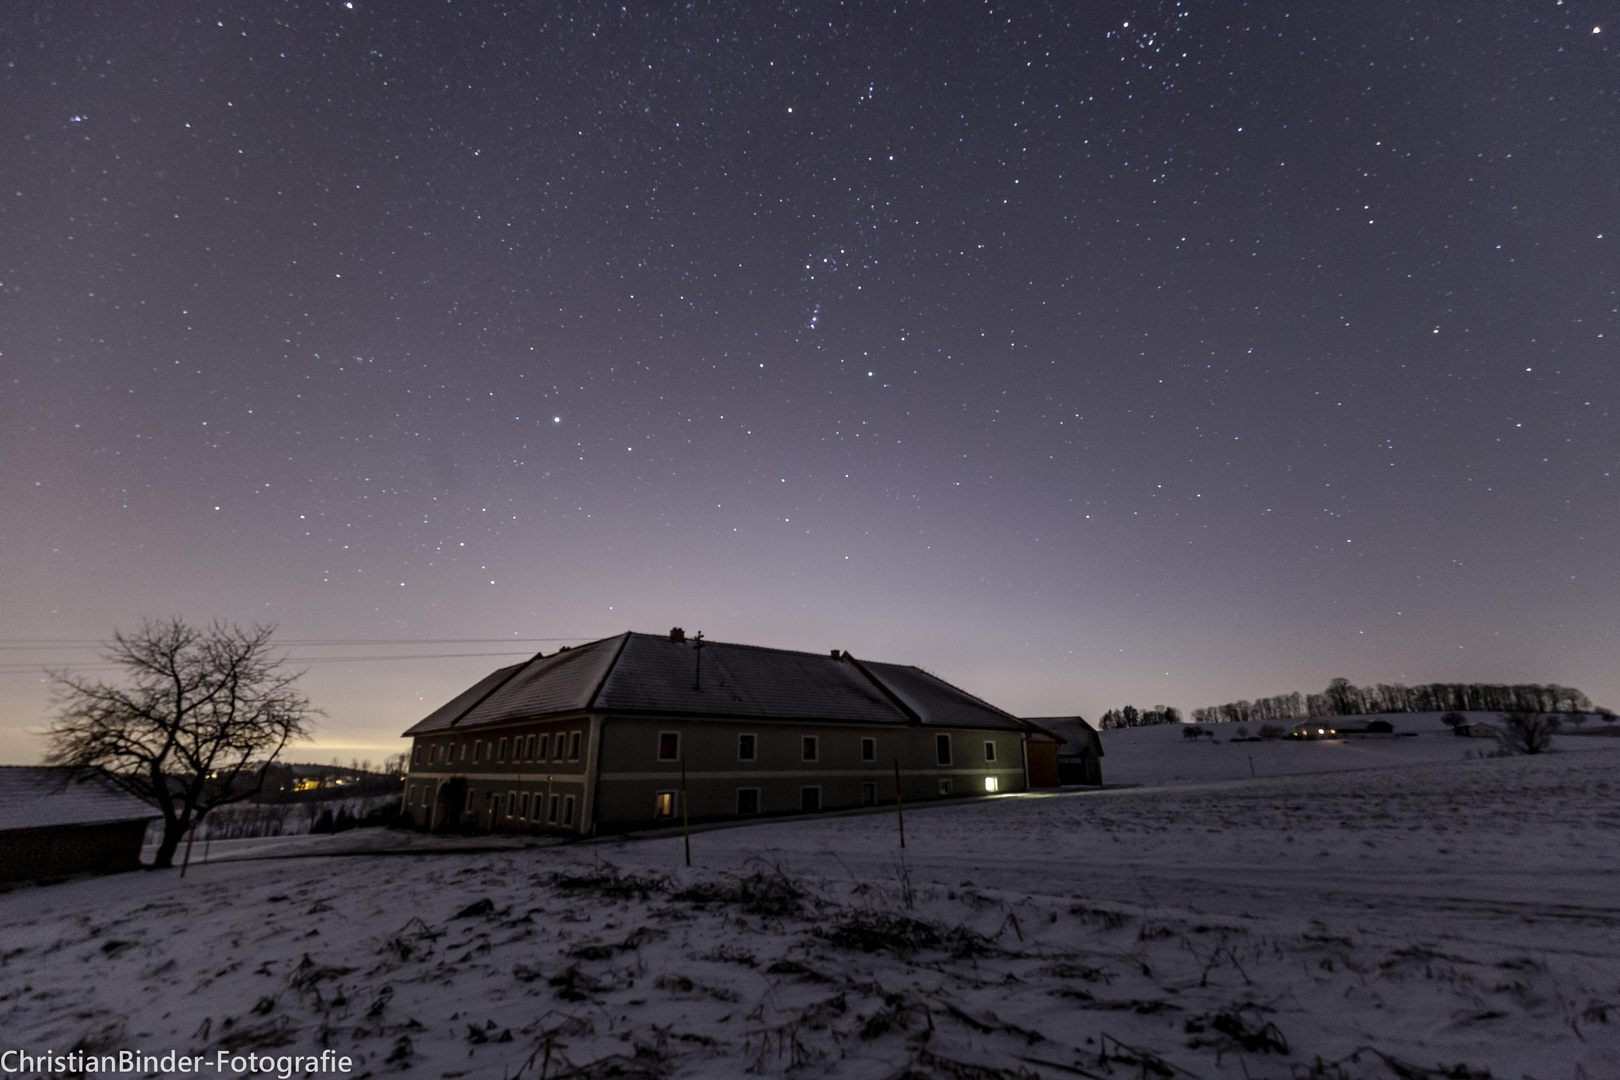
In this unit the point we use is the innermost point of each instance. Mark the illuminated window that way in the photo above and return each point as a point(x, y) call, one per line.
point(669, 745)
point(990, 784)
point(942, 748)
point(812, 750)
point(664, 804)
point(989, 750)
point(747, 749)
point(747, 800)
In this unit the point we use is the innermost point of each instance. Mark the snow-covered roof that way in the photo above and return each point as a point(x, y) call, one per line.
point(1078, 736)
point(34, 797)
point(649, 673)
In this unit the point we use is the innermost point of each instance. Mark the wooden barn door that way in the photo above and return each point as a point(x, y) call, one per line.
point(1043, 764)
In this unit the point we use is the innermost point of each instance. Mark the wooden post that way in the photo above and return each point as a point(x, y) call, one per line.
point(899, 810)
point(191, 834)
point(686, 824)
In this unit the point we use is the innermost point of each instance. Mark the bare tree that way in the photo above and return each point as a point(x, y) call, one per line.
point(1528, 732)
point(199, 720)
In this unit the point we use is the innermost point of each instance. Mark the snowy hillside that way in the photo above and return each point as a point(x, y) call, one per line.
point(1163, 755)
point(1378, 923)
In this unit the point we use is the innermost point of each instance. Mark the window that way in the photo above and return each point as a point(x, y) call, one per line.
point(868, 749)
point(573, 746)
point(478, 750)
point(511, 804)
point(810, 799)
point(747, 749)
point(812, 747)
point(747, 800)
point(868, 794)
point(945, 786)
point(991, 784)
point(528, 750)
point(989, 750)
point(568, 810)
point(500, 755)
point(416, 755)
point(664, 804)
point(545, 748)
point(472, 804)
point(942, 748)
point(551, 811)
point(463, 751)
point(669, 745)
point(523, 807)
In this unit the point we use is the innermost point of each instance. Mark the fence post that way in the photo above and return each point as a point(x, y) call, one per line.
point(686, 824)
point(899, 810)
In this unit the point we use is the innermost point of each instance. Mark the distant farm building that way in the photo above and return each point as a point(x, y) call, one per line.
point(57, 822)
point(1078, 759)
point(602, 738)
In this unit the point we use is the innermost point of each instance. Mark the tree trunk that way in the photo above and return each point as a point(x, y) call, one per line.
point(173, 832)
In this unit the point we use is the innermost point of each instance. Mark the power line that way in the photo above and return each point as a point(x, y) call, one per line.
point(24, 668)
point(90, 643)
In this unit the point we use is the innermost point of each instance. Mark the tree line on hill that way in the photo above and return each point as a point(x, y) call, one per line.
point(1344, 698)
point(1130, 716)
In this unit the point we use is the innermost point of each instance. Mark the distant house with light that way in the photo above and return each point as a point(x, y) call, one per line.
point(57, 822)
point(602, 737)
point(1079, 753)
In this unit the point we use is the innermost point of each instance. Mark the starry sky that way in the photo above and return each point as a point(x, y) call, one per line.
point(1082, 354)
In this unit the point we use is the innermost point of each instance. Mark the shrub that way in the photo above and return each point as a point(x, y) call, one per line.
point(1273, 731)
point(1527, 733)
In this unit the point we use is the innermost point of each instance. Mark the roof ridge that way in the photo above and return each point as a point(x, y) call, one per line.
point(958, 689)
point(707, 642)
point(894, 698)
point(510, 675)
point(596, 692)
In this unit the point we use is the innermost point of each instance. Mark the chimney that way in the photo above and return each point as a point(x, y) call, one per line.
point(677, 636)
point(836, 655)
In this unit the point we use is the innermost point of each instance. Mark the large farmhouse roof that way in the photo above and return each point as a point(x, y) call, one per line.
point(36, 797)
point(650, 673)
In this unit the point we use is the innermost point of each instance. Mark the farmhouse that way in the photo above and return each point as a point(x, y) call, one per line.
point(1078, 758)
point(606, 737)
point(56, 822)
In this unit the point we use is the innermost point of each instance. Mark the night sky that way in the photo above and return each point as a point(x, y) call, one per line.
point(1082, 354)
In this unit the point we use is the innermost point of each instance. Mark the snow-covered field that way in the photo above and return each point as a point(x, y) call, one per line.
point(1163, 755)
point(1449, 918)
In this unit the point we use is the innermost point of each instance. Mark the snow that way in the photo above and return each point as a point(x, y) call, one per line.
point(1162, 754)
point(1456, 913)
